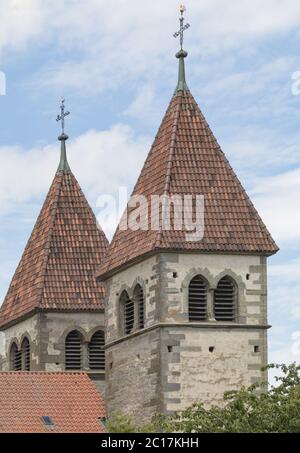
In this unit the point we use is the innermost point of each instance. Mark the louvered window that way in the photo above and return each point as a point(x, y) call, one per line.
point(25, 350)
point(96, 351)
point(73, 351)
point(139, 299)
point(225, 300)
point(198, 299)
point(15, 358)
point(128, 312)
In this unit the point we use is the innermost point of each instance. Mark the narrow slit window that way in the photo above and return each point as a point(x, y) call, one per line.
point(127, 306)
point(25, 351)
point(140, 301)
point(73, 351)
point(15, 358)
point(198, 299)
point(225, 300)
point(96, 351)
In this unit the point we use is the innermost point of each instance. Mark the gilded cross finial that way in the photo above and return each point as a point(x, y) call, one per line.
point(63, 164)
point(183, 26)
point(62, 116)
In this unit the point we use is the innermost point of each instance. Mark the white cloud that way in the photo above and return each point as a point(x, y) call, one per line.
point(289, 271)
point(101, 160)
point(277, 199)
point(116, 42)
point(21, 22)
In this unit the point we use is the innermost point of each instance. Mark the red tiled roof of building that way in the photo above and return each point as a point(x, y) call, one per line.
point(71, 400)
point(56, 271)
point(186, 159)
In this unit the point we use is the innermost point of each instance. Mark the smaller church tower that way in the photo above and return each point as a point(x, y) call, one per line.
point(186, 317)
point(53, 313)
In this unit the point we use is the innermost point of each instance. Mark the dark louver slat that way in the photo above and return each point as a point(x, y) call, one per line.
point(139, 298)
point(96, 351)
point(73, 351)
point(26, 354)
point(225, 300)
point(198, 299)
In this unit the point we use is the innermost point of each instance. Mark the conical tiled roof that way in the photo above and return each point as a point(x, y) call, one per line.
point(186, 159)
point(56, 271)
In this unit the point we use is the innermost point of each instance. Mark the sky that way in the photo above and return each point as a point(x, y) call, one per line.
point(114, 63)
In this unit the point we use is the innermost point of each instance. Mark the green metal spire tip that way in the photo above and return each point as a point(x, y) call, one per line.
point(63, 164)
point(181, 85)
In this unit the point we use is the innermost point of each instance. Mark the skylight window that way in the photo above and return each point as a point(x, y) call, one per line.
point(47, 420)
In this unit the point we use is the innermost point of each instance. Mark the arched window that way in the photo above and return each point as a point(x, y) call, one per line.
point(96, 351)
point(225, 300)
point(15, 358)
point(198, 299)
point(25, 352)
point(139, 300)
point(127, 306)
point(73, 351)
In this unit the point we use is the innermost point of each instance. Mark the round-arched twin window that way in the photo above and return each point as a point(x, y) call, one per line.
point(224, 300)
point(20, 358)
point(75, 351)
point(132, 311)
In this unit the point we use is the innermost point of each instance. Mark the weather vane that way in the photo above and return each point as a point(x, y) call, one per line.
point(183, 26)
point(62, 116)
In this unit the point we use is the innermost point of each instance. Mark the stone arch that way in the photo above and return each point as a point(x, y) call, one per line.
point(71, 328)
point(93, 331)
point(96, 351)
point(138, 281)
point(14, 340)
point(206, 275)
point(198, 299)
point(26, 352)
point(74, 350)
point(15, 358)
point(241, 306)
point(25, 335)
point(226, 299)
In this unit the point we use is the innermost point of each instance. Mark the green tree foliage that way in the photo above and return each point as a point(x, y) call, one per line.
point(124, 423)
point(249, 410)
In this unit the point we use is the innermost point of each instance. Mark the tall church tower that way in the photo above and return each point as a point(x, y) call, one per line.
point(186, 320)
point(53, 313)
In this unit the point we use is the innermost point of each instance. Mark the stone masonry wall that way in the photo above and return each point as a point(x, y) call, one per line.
point(201, 364)
point(133, 376)
point(194, 361)
point(47, 332)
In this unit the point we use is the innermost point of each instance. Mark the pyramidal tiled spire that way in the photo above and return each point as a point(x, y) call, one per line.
point(56, 271)
point(186, 159)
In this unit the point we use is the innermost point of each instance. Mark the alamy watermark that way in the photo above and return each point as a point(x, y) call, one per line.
point(181, 213)
point(2, 84)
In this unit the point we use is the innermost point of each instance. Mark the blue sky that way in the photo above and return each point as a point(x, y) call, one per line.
point(114, 62)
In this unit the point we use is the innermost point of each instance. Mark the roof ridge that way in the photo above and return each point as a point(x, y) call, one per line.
point(49, 233)
point(44, 372)
point(157, 240)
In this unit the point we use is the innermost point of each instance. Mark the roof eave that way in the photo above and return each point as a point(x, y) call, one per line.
point(103, 275)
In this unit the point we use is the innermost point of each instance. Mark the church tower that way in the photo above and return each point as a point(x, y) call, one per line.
point(186, 320)
point(53, 313)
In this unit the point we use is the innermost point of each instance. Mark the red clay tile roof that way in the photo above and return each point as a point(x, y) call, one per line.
point(56, 271)
point(70, 399)
point(186, 159)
